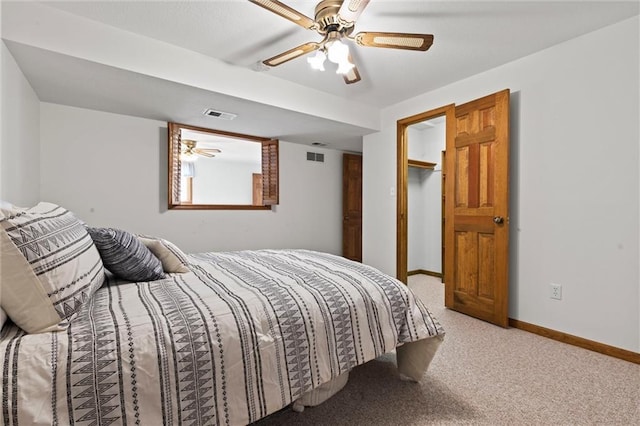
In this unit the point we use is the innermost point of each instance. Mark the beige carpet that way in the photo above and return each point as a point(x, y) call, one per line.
point(484, 375)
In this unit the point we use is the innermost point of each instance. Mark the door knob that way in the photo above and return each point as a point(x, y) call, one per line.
point(498, 220)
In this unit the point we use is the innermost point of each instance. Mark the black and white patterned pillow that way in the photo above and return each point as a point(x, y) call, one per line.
point(50, 266)
point(125, 256)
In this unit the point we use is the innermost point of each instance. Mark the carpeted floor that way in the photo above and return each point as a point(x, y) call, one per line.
point(483, 375)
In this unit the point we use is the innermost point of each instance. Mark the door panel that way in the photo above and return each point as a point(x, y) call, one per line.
point(477, 247)
point(352, 207)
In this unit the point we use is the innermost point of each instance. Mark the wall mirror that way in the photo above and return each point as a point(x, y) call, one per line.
point(212, 169)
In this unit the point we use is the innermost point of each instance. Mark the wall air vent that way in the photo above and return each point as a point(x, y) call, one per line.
point(220, 114)
point(315, 156)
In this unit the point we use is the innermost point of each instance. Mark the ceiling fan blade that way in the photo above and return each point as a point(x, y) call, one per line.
point(210, 150)
point(203, 153)
point(286, 12)
point(351, 9)
point(353, 76)
point(405, 41)
point(291, 54)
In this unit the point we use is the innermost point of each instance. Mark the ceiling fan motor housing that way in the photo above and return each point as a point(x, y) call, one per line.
point(328, 20)
point(189, 145)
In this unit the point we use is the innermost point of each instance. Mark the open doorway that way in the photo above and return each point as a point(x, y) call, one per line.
point(426, 144)
point(422, 139)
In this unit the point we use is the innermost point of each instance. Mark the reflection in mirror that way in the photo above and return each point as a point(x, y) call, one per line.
point(211, 169)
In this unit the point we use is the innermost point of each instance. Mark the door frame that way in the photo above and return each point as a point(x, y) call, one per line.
point(403, 175)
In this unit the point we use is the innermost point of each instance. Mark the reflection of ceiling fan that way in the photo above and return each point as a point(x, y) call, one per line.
point(335, 20)
point(189, 152)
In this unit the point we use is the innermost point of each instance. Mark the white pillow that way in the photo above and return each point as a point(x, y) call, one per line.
point(49, 266)
point(5, 205)
point(172, 258)
point(6, 209)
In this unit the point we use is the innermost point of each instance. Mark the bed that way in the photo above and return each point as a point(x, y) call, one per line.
point(233, 338)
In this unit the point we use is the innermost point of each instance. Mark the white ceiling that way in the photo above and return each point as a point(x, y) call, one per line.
point(470, 37)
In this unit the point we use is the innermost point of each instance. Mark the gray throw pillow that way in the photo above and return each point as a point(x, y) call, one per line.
point(125, 256)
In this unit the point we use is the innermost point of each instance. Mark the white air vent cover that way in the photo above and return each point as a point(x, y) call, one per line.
point(220, 114)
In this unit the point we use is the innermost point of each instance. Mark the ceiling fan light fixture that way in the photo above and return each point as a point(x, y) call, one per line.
point(317, 61)
point(188, 157)
point(337, 52)
point(344, 67)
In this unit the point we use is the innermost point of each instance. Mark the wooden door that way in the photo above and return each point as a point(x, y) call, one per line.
point(352, 207)
point(257, 189)
point(477, 210)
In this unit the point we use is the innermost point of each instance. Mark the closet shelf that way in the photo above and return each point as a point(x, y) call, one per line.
point(421, 164)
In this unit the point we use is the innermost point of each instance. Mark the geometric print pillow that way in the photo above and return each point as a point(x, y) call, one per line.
point(49, 266)
point(173, 259)
point(124, 255)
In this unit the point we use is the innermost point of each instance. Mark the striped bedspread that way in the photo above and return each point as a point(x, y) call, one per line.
point(241, 336)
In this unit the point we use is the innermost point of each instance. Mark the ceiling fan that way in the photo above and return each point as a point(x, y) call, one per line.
point(190, 152)
point(335, 20)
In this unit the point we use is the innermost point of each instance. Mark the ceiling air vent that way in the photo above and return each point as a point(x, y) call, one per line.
point(220, 114)
point(315, 156)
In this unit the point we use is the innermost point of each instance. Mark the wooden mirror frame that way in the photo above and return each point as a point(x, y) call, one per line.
point(270, 176)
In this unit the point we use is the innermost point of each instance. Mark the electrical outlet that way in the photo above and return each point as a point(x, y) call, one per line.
point(556, 291)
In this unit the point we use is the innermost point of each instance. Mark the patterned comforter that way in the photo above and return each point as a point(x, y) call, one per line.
point(241, 336)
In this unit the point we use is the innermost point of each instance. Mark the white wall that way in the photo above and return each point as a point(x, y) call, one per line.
point(2, 53)
point(224, 182)
point(20, 135)
point(417, 231)
point(574, 182)
point(111, 171)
